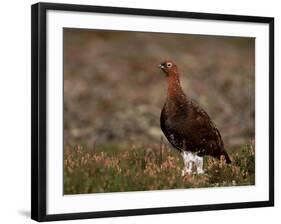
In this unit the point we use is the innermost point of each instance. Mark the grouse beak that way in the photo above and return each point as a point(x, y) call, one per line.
point(161, 66)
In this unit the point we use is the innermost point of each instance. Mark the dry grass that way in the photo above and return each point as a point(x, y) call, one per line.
point(151, 167)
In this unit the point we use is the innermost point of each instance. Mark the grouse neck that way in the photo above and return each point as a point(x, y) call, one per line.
point(174, 86)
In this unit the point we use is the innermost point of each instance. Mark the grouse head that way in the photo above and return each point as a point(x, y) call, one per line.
point(169, 68)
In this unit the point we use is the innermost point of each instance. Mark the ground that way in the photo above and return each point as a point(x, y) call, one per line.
point(153, 167)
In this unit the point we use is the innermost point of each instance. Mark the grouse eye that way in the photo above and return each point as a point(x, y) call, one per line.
point(169, 64)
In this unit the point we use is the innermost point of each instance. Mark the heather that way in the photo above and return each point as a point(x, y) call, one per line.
point(151, 167)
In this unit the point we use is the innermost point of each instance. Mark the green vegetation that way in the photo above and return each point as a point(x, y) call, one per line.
point(109, 168)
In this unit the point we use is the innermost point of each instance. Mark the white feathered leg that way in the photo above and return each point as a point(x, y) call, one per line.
point(199, 164)
point(188, 159)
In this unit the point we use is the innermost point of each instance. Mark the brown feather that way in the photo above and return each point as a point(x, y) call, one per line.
point(187, 126)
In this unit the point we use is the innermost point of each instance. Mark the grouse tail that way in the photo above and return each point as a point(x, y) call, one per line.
point(227, 159)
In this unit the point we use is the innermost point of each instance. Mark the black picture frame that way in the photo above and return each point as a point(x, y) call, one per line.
point(39, 122)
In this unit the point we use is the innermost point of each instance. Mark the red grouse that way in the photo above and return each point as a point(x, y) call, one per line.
point(188, 127)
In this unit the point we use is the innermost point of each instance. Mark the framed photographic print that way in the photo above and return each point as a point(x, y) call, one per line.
point(138, 111)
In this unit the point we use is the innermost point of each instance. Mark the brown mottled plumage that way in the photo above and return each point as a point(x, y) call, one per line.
point(185, 124)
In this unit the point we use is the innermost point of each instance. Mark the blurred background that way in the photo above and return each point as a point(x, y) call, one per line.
point(114, 90)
